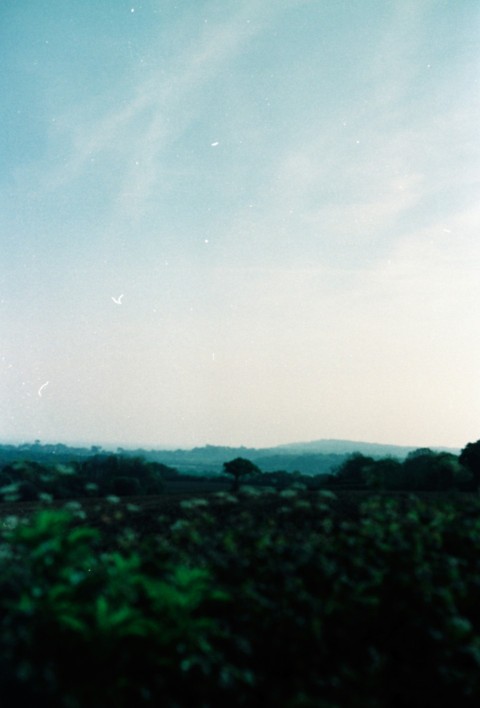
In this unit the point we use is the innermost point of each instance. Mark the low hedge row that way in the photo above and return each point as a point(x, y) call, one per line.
point(248, 604)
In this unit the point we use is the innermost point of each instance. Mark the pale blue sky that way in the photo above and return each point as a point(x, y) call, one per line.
point(285, 193)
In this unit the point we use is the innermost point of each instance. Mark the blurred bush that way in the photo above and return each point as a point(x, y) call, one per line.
point(276, 600)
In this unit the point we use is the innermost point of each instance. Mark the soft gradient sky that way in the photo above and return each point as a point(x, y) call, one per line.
point(286, 195)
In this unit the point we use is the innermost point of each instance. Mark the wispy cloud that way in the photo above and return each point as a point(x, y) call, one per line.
point(162, 105)
point(354, 185)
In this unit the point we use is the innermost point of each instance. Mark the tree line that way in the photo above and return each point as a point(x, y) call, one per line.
point(125, 475)
point(422, 470)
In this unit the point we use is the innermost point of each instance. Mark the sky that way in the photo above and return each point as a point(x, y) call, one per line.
point(240, 222)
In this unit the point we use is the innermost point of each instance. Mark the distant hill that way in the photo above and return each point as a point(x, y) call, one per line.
point(342, 447)
point(315, 457)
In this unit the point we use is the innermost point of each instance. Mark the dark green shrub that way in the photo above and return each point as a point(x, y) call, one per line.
point(82, 628)
point(98, 475)
point(353, 471)
point(126, 486)
point(5, 479)
point(470, 459)
point(284, 598)
point(27, 491)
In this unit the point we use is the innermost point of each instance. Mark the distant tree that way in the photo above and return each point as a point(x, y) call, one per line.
point(386, 473)
point(418, 469)
point(239, 468)
point(470, 459)
point(353, 471)
point(164, 471)
point(430, 470)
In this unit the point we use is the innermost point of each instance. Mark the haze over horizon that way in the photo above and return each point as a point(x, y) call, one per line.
point(245, 223)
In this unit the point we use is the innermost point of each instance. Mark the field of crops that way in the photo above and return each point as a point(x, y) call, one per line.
point(263, 598)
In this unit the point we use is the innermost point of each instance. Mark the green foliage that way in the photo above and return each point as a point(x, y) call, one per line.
point(126, 486)
point(470, 459)
point(98, 629)
point(98, 475)
point(422, 470)
point(355, 469)
point(425, 469)
point(387, 473)
point(278, 598)
point(105, 470)
point(378, 610)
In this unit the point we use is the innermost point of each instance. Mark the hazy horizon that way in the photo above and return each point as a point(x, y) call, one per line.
point(234, 224)
point(114, 446)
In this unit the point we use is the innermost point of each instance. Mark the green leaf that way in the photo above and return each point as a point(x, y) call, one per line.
point(73, 623)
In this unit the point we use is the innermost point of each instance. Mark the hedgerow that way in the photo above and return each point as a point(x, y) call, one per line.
point(245, 600)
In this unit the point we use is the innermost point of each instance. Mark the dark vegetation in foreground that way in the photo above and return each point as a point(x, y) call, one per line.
point(289, 597)
point(264, 598)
